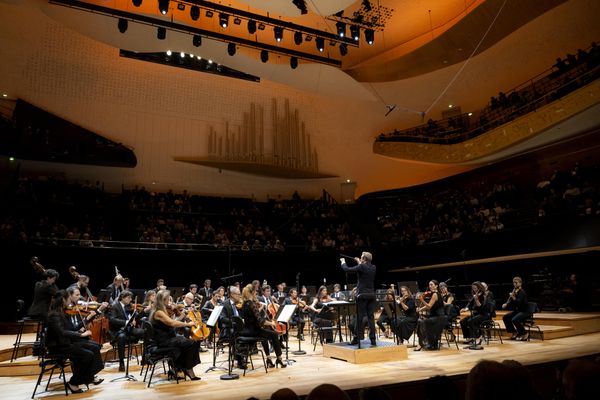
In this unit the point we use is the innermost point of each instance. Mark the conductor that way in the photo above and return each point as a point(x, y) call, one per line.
point(365, 299)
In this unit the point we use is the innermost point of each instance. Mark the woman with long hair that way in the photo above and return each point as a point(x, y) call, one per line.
point(407, 323)
point(322, 316)
point(186, 358)
point(85, 362)
point(430, 329)
point(479, 313)
point(254, 324)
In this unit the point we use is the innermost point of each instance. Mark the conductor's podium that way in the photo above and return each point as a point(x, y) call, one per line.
point(384, 351)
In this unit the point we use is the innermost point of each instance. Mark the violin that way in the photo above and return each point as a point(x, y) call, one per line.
point(77, 310)
point(299, 303)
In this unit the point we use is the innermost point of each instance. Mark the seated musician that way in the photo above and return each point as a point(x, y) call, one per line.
point(384, 318)
point(337, 294)
point(186, 355)
point(149, 301)
point(198, 298)
point(85, 363)
point(517, 304)
point(255, 324)
point(407, 323)
point(479, 312)
point(450, 308)
point(322, 316)
point(297, 319)
point(304, 295)
point(114, 289)
point(43, 294)
point(267, 298)
point(227, 320)
point(430, 329)
point(122, 328)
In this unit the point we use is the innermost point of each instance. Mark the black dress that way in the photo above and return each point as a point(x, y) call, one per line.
point(406, 325)
point(185, 351)
point(253, 323)
point(84, 355)
point(430, 329)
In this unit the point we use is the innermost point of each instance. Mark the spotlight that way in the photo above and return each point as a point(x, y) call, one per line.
point(161, 33)
point(163, 6)
point(231, 49)
point(197, 40)
point(223, 20)
point(343, 49)
point(182, 54)
point(264, 56)
point(355, 32)
point(237, 21)
point(137, 3)
point(294, 62)
point(195, 13)
point(251, 27)
point(341, 28)
point(278, 31)
point(367, 5)
point(169, 52)
point(298, 38)
point(122, 25)
point(208, 14)
point(320, 42)
point(369, 36)
point(301, 4)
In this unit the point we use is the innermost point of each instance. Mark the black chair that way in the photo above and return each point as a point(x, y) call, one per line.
point(22, 321)
point(529, 323)
point(153, 354)
point(49, 363)
point(490, 327)
point(245, 345)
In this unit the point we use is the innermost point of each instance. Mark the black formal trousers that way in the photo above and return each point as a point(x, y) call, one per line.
point(365, 307)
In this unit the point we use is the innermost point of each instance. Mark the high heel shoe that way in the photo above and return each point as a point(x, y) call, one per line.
point(97, 381)
point(417, 348)
point(270, 363)
point(280, 363)
point(70, 387)
point(190, 374)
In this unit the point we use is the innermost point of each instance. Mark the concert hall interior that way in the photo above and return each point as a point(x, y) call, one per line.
point(430, 168)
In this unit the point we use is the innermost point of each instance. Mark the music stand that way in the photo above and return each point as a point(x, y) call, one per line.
point(104, 296)
point(212, 324)
point(284, 315)
point(127, 376)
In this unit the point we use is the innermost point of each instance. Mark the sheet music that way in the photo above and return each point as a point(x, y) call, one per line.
point(214, 316)
point(286, 313)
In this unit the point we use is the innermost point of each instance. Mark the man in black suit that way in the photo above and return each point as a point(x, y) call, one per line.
point(206, 290)
point(122, 328)
point(365, 292)
point(42, 295)
point(226, 322)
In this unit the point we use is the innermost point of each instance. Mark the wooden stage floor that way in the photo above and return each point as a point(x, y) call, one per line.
point(313, 369)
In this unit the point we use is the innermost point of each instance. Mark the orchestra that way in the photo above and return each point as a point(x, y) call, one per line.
point(72, 316)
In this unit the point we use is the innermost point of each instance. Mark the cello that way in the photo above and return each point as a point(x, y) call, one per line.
point(272, 310)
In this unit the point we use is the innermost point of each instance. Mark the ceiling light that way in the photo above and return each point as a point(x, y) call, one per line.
point(137, 3)
point(369, 36)
point(264, 56)
point(197, 40)
point(355, 32)
point(294, 62)
point(231, 49)
point(4, 95)
point(182, 54)
point(261, 27)
point(223, 20)
point(470, 114)
point(161, 33)
point(450, 106)
point(343, 49)
point(195, 13)
point(251, 26)
point(169, 52)
point(341, 28)
point(122, 25)
point(11, 159)
point(210, 61)
point(320, 42)
point(163, 6)
point(278, 31)
point(298, 38)
point(237, 21)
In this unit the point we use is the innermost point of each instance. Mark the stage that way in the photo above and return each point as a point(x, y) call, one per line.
point(308, 371)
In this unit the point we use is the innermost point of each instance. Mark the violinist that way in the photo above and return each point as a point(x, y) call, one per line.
point(42, 295)
point(122, 323)
point(384, 318)
point(430, 329)
point(321, 317)
point(304, 295)
point(479, 313)
point(406, 325)
point(254, 325)
point(298, 317)
point(186, 350)
point(149, 300)
point(85, 363)
point(450, 308)
point(517, 304)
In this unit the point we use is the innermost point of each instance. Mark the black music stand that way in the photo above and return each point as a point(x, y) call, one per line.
point(283, 316)
point(390, 308)
point(229, 376)
point(129, 345)
point(212, 324)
